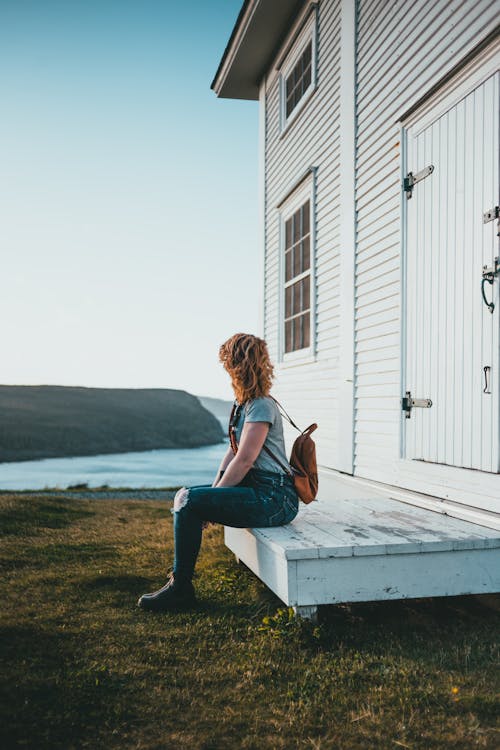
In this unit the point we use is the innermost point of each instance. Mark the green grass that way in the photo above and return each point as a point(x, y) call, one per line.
point(83, 667)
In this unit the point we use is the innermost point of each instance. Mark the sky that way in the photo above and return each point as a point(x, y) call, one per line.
point(129, 217)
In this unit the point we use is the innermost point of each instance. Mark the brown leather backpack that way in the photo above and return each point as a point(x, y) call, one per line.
point(302, 460)
point(303, 463)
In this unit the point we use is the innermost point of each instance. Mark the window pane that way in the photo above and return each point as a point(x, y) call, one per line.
point(306, 293)
point(288, 302)
point(288, 265)
point(306, 210)
point(296, 333)
point(297, 307)
point(295, 73)
point(306, 57)
point(306, 330)
point(288, 234)
point(306, 78)
point(296, 226)
point(306, 253)
point(288, 336)
point(296, 259)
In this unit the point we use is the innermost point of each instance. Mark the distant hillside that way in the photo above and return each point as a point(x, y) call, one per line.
point(50, 421)
point(219, 407)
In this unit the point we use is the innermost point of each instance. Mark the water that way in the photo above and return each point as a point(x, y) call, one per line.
point(171, 467)
point(158, 468)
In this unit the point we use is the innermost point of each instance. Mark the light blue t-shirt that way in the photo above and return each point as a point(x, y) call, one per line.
point(264, 409)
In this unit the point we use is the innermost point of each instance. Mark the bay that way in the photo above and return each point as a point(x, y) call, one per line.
point(172, 467)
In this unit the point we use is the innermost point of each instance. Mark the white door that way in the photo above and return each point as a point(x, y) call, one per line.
point(452, 333)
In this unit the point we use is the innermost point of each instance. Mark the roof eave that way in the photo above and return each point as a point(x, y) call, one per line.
point(257, 34)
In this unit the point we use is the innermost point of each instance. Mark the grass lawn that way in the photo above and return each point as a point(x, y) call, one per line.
point(84, 667)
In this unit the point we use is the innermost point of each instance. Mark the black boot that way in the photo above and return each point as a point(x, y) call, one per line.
point(174, 595)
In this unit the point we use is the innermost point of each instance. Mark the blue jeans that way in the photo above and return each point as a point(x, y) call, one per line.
point(262, 498)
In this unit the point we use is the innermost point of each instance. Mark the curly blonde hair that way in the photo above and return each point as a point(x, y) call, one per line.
point(246, 358)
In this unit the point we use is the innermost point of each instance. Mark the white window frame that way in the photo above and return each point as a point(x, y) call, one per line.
point(307, 34)
point(304, 191)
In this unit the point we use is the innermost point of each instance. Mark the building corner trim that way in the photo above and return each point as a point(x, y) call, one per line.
point(346, 425)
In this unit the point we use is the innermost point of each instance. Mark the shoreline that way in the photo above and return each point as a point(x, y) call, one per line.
point(6, 461)
point(97, 493)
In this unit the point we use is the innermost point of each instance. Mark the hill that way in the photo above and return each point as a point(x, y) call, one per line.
point(54, 421)
point(219, 407)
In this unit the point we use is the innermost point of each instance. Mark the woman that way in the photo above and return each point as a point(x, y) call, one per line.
point(251, 488)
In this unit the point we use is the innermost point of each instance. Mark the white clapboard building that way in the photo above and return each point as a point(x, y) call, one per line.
point(379, 194)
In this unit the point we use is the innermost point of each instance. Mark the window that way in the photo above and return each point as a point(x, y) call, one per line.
point(299, 80)
point(298, 75)
point(297, 278)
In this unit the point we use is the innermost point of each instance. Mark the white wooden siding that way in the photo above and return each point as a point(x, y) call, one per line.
point(309, 390)
point(401, 54)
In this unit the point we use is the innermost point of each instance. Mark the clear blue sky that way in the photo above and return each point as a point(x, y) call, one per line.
point(129, 238)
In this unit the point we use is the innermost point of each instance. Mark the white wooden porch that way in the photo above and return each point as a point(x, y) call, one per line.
point(357, 543)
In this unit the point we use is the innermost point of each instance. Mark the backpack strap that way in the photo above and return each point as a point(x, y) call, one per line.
point(285, 414)
point(280, 463)
point(235, 413)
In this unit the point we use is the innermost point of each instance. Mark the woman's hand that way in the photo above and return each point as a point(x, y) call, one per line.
point(228, 457)
point(253, 436)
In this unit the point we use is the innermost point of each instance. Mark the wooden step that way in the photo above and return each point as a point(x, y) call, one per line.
point(368, 548)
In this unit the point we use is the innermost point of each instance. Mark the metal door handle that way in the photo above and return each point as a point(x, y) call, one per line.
point(489, 305)
point(486, 388)
point(489, 275)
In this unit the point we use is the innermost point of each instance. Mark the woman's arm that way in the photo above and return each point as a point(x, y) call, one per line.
point(253, 436)
point(228, 457)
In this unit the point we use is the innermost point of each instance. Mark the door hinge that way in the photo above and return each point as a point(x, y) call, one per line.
point(491, 215)
point(411, 179)
point(407, 403)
